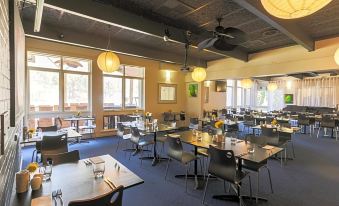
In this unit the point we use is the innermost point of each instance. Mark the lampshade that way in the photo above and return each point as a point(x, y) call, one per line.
point(108, 62)
point(246, 83)
point(292, 9)
point(199, 74)
point(272, 86)
point(336, 56)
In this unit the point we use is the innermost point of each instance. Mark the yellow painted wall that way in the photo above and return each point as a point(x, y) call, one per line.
point(217, 100)
point(286, 60)
point(154, 74)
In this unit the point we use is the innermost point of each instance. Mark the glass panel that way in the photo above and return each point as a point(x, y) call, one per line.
point(44, 91)
point(119, 72)
point(43, 61)
point(247, 94)
point(79, 65)
point(133, 93)
point(230, 83)
point(112, 92)
point(132, 71)
point(239, 96)
point(229, 99)
point(76, 92)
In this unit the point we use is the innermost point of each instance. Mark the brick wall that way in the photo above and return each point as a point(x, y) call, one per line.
point(9, 161)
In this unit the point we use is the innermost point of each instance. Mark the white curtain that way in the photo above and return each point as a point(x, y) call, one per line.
point(319, 92)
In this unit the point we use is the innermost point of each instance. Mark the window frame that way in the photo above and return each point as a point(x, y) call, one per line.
point(61, 72)
point(123, 78)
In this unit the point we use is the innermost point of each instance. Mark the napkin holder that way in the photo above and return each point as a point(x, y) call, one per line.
point(22, 181)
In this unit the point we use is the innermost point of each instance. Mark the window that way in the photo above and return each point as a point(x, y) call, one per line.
point(58, 84)
point(124, 89)
point(262, 98)
point(229, 93)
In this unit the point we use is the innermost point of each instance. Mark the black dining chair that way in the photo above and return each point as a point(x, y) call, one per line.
point(249, 122)
point(223, 165)
point(140, 141)
point(257, 167)
point(53, 145)
point(37, 149)
point(176, 152)
point(327, 122)
point(112, 198)
point(122, 135)
point(304, 122)
point(62, 158)
point(194, 123)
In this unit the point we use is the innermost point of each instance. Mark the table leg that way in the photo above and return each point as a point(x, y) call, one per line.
point(156, 158)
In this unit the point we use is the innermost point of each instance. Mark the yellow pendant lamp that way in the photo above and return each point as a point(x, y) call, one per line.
point(272, 86)
point(336, 56)
point(246, 83)
point(199, 74)
point(108, 61)
point(292, 9)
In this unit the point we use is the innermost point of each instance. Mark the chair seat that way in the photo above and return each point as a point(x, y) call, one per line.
point(252, 165)
point(203, 152)
point(145, 142)
point(161, 138)
point(187, 157)
point(126, 136)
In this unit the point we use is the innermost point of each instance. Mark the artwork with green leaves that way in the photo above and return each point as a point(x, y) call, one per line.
point(288, 98)
point(193, 90)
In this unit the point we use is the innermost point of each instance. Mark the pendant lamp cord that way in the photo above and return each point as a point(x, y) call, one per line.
point(109, 38)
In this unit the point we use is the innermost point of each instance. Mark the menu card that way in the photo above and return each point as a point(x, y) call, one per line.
point(268, 147)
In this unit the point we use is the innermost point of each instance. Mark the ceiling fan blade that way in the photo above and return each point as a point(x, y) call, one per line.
point(222, 45)
point(207, 43)
point(236, 36)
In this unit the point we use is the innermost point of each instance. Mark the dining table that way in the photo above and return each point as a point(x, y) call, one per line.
point(70, 133)
point(148, 128)
point(239, 147)
point(77, 182)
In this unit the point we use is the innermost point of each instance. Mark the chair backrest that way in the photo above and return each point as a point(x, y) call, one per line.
point(112, 198)
point(303, 119)
point(222, 164)
point(194, 120)
point(259, 140)
point(61, 158)
point(269, 132)
point(53, 128)
point(168, 116)
point(135, 135)
point(54, 144)
point(175, 148)
point(223, 111)
point(269, 120)
point(327, 121)
point(248, 118)
point(121, 129)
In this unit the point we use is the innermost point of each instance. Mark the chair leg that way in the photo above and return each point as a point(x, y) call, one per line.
point(203, 197)
point(168, 162)
point(130, 155)
point(256, 198)
point(118, 145)
point(187, 168)
point(34, 151)
point(318, 132)
point(292, 145)
point(269, 176)
point(225, 186)
point(141, 154)
point(249, 179)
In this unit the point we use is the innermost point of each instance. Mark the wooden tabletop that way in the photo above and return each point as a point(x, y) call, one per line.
point(239, 148)
point(79, 118)
point(76, 180)
point(150, 129)
point(70, 134)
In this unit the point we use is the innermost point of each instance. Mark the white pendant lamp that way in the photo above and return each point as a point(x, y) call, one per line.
point(272, 86)
point(108, 61)
point(199, 74)
point(246, 83)
point(336, 56)
point(292, 9)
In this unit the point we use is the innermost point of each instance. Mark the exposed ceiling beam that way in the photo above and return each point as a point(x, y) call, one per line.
point(287, 27)
point(53, 33)
point(118, 17)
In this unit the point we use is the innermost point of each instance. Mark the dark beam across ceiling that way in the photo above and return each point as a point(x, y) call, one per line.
point(118, 17)
point(287, 27)
point(53, 33)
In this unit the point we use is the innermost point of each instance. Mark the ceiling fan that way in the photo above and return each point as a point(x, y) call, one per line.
point(224, 39)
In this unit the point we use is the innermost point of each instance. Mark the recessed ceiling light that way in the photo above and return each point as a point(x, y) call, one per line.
point(270, 32)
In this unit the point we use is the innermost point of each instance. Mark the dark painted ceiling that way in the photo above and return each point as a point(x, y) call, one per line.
point(198, 16)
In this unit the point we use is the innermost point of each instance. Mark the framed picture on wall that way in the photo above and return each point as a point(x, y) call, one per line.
point(288, 98)
point(167, 93)
point(193, 90)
